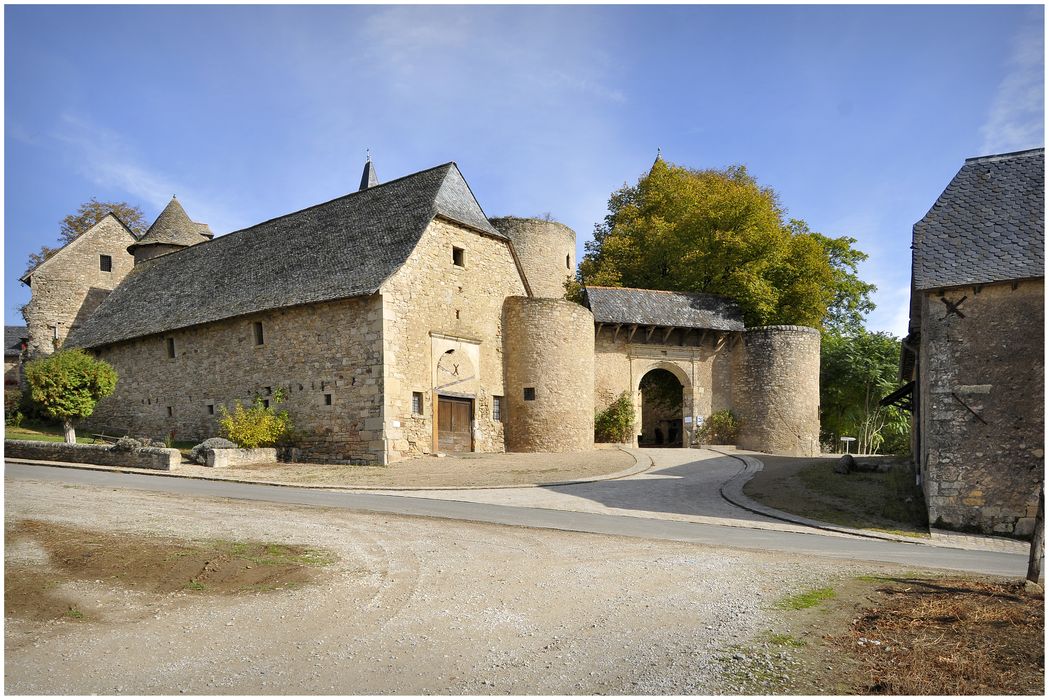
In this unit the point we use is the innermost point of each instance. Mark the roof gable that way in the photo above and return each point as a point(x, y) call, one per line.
point(988, 225)
point(651, 307)
point(86, 235)
point(343, 248)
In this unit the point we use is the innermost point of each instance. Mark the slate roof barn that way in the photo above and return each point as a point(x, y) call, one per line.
point(14, 337)
point(343, 248)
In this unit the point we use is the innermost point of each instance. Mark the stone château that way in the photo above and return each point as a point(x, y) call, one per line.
point(400, 320)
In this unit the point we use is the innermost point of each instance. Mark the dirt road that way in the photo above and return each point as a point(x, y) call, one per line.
point(412, 605)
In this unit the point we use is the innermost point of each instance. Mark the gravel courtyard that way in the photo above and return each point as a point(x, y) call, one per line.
point(410, 606)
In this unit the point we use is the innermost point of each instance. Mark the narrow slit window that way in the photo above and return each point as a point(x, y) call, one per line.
point(497, 408)
point(417, 403)
point(211, 409)
point(568, 261)
point(327, 399)
point(105, 263)
point(171, 411)
point(259, 337)
point(171, 348)
point(458, 257)
point(529, 393)
point(265, 403)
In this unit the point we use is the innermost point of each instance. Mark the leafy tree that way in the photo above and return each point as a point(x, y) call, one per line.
point(68, 384)
point(719, 231)
point(856, 371)
point(87, 215)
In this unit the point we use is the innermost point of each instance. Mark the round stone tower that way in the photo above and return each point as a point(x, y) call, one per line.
point(549, 375)
point(546, 250)
point(777, 390)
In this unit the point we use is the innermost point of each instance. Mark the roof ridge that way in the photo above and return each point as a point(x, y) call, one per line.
point(662, 291)
point(1000, 156)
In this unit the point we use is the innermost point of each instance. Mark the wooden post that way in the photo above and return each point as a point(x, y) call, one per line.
point(1036, 563)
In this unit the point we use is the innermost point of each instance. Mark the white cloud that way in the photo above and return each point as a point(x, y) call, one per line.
point(1016, 119)
point(106, 159)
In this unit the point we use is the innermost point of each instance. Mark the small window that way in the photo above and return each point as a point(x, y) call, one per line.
point(105, 263)
point(265, 403)
point(457, 314)
point(268, 390)
point(259, 337)
point(417, 403)
point(327, 399)
point(211, 409)
point(497, 408)
point(171, 411)
point(171, 348)
point(568, 261)
point(529, 393)
point(458, 257)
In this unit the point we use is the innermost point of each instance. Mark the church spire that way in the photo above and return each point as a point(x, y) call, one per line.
point(368, 178)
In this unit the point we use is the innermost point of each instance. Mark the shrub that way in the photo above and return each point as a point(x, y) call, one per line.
point(721, 428)
point(13, 415)
point(256, 425)
point(615, 423)
point(198, 455)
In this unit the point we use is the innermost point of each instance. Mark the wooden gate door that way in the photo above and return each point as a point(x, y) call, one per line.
point(454, 433)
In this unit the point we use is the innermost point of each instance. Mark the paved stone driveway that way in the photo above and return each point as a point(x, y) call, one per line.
point(683, 484)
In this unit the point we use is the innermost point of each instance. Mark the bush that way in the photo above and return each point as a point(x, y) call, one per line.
point(257, 425)
point(615, 423)
point(13, 415)
point(198, 455)
point(721, 428)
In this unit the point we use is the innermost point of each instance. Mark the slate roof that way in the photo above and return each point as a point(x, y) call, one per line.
point(173, 227)
point(651, 307)
point(368, 177)
point(343, 248)
point(13, 336)
point(987, 226)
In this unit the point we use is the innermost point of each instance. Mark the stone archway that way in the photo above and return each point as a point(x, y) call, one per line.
point(663, 397)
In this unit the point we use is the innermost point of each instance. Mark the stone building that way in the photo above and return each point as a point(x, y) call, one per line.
point(400, 320)
point(973, 355)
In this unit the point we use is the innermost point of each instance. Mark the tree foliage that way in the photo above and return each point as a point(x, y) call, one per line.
point(720, 428)
point(87, 215)
point(68, 384)
point(720, 232)
point(856, 371)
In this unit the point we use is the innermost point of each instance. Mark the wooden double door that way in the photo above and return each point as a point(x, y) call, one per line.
point(454, 424)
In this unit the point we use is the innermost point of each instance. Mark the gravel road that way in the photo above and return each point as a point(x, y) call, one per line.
point(413, 606)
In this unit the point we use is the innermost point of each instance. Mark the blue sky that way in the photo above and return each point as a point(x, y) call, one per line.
point(857, 116)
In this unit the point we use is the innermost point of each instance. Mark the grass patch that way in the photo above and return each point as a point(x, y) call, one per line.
point(195, 586)
point(43, 432)
point(785, 640)
point(880, 501)
point(74, 613)
point(268, 554)
point(803, 601)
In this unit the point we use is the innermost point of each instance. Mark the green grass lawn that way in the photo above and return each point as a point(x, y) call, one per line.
point(881, 501)
point(33, 430)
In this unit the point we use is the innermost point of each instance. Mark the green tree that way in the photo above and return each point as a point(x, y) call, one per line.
point(856, 371)
point(257, 425)
point(87, 215)
point(67, 385)
point(615, 423)
point(720, 232)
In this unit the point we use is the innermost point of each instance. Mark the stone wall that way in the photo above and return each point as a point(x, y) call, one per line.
point(143, 458)
point(327, 357)
point(550, 351)
point(777, 392)
point(546, 250)
point(981, 410)
point(432, 307)
point(70, 285)
point(701, 360)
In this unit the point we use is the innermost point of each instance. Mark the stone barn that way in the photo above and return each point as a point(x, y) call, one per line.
point(974, 352)
point(400, 320)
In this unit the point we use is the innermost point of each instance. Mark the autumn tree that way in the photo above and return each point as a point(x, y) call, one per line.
point(87, 215)
point(68, 384)
point(720, 232)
